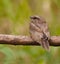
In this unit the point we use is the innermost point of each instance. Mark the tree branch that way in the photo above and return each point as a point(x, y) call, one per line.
point(26, 40)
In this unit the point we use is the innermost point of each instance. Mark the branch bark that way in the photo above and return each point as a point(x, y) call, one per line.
point(26, 40)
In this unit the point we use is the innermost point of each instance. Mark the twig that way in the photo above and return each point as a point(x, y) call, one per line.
point(26, 40)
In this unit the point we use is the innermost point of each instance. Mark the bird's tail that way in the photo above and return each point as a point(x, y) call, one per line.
point(45, 45)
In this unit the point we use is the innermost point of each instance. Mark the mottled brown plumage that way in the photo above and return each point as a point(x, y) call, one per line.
point(39, 31)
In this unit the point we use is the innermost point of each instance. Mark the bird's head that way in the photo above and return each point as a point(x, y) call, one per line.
point(37, 19)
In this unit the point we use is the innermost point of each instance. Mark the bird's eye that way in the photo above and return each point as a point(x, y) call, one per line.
point(32, 17)
point(35, 18)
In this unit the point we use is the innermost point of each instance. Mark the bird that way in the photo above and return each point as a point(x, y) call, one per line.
point(39, 31)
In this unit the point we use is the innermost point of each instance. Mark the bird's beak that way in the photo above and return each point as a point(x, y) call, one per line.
point(31, 17)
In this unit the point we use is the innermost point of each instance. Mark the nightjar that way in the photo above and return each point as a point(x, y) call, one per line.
point(39, 31)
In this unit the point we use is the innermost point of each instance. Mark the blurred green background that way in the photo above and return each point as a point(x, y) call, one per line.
point(14, 19)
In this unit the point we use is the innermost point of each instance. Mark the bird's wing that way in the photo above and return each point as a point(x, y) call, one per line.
point(46, 30)
point(46, 36)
